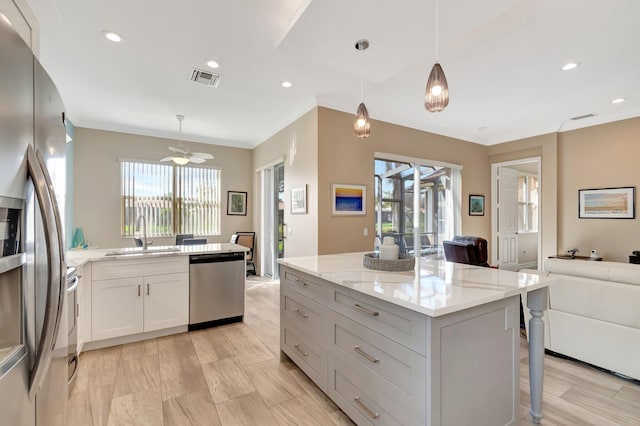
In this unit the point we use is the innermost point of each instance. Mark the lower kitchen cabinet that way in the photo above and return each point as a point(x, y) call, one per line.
point(130, 296)
point(166, 301)
point(118, 307)
point(84, 305)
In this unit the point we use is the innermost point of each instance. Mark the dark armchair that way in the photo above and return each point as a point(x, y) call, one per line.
point(466, 249)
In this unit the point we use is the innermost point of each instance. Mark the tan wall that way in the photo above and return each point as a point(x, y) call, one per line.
point(546, 147)
point(601, 156)
point(342, 158)
point(298, 144)
point(97, 182)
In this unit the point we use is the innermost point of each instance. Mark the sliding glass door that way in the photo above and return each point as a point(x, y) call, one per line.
point(417, 203)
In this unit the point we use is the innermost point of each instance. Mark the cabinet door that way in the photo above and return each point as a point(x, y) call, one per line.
point(84, 305)
point(116, 307)
point(166, 301)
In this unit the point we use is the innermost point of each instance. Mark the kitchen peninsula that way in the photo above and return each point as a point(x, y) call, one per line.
point(435, 346)
point(132, 294)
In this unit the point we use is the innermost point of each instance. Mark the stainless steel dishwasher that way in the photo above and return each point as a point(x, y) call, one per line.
point(216, 289)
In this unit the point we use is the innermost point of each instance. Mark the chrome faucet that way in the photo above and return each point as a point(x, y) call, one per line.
point(144, 230)
point(573, 252)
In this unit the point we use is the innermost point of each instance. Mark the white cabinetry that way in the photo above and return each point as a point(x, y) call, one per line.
point(134, 296)
point(84, 305)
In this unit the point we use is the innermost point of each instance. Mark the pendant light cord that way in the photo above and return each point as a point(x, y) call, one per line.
point(437, 30)
point(361, 47)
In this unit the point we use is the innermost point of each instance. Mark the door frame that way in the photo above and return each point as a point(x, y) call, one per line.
point(265, 243)
point(494, 203)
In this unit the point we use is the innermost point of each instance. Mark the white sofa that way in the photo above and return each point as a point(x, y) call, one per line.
point(594, 313)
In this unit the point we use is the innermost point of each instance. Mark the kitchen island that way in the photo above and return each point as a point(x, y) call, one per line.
point(438, 345)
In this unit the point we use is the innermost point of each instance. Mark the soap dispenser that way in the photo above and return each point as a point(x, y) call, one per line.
point(389, 250)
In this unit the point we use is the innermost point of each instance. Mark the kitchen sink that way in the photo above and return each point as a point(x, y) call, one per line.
point(130, 251)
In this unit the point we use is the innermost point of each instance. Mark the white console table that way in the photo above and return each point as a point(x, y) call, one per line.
point(434, 346)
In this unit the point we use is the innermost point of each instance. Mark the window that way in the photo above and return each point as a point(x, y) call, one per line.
point(527, 203)
point(173, 199)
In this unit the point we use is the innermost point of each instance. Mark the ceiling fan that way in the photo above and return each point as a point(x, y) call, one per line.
point(181, 155)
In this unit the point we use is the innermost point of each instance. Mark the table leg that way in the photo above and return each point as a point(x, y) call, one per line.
point(537, 303)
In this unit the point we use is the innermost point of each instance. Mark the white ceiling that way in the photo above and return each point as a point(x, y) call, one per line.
point(502, 59)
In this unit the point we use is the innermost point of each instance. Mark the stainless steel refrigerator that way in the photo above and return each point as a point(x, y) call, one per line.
point(33, 318)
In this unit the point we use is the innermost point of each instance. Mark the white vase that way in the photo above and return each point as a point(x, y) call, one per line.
point(389, 250)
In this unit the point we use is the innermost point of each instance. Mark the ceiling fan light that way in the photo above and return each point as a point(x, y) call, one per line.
point(362, 125)
point(181, 161)
point(436, 97)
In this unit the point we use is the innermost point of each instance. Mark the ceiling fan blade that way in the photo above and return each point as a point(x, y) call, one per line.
point(169, 158)
point(196, 160)
point(178, 149)
point(203, 155)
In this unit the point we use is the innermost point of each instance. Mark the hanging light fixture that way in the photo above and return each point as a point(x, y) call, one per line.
point(181, 155)
point(436, 97)
point(361, 125)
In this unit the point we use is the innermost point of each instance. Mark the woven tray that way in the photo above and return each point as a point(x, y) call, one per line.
point(372, 261)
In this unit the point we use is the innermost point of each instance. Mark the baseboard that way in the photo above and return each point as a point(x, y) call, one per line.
point(89, 346)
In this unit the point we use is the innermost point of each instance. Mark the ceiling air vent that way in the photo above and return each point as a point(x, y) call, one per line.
point(582, 117)
point(205, 77)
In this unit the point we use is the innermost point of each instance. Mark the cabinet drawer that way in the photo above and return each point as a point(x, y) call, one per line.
point(304, 284)
point(365, 404)
point(126, 268)
point(399, 324)
point(305, 312)
point(358, 346)
point(308, 354)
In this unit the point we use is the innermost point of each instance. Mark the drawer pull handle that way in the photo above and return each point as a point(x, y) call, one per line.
point(366, 409)
point(365, 310)
point(301, 282)
point(139, 289)
point(148, 289)
point(303, 353)
point(368, 357)
point(301, 314)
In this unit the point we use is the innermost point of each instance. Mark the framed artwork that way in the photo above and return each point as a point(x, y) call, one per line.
point(607, 203)
point(348, 199)
point(476, 205)
point(299, 199)
point(236, 203)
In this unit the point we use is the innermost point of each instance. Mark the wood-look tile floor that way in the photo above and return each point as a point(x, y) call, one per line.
point(232, 375)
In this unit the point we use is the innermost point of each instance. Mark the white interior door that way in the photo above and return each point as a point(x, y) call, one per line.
point(507, 217)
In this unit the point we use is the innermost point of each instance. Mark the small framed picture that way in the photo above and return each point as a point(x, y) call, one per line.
point(348, 199)
point(236, 203)
point(299, 199)
point(476, 205)
point(607, 203)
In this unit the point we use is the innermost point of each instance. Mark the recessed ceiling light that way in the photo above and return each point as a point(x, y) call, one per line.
point(287, 84)
point(114, 37)
point(570, 65)
point(213, 64)
point(618, 100)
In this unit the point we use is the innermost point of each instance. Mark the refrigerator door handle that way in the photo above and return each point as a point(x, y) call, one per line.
point(53, 303)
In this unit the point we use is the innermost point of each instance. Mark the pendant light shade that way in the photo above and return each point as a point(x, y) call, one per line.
point(436, 97)
point(362, 125)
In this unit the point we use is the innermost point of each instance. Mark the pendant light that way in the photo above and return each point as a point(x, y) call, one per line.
point(361, 125)
point(436, 97)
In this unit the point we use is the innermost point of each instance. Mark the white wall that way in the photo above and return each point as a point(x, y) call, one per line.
point(97, 182)
point(527, 247)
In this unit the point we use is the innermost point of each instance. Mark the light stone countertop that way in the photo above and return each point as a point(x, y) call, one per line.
point(80, 257)
point(440, 288)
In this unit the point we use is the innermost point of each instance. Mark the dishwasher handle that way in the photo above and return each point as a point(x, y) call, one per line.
point(216, 257)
